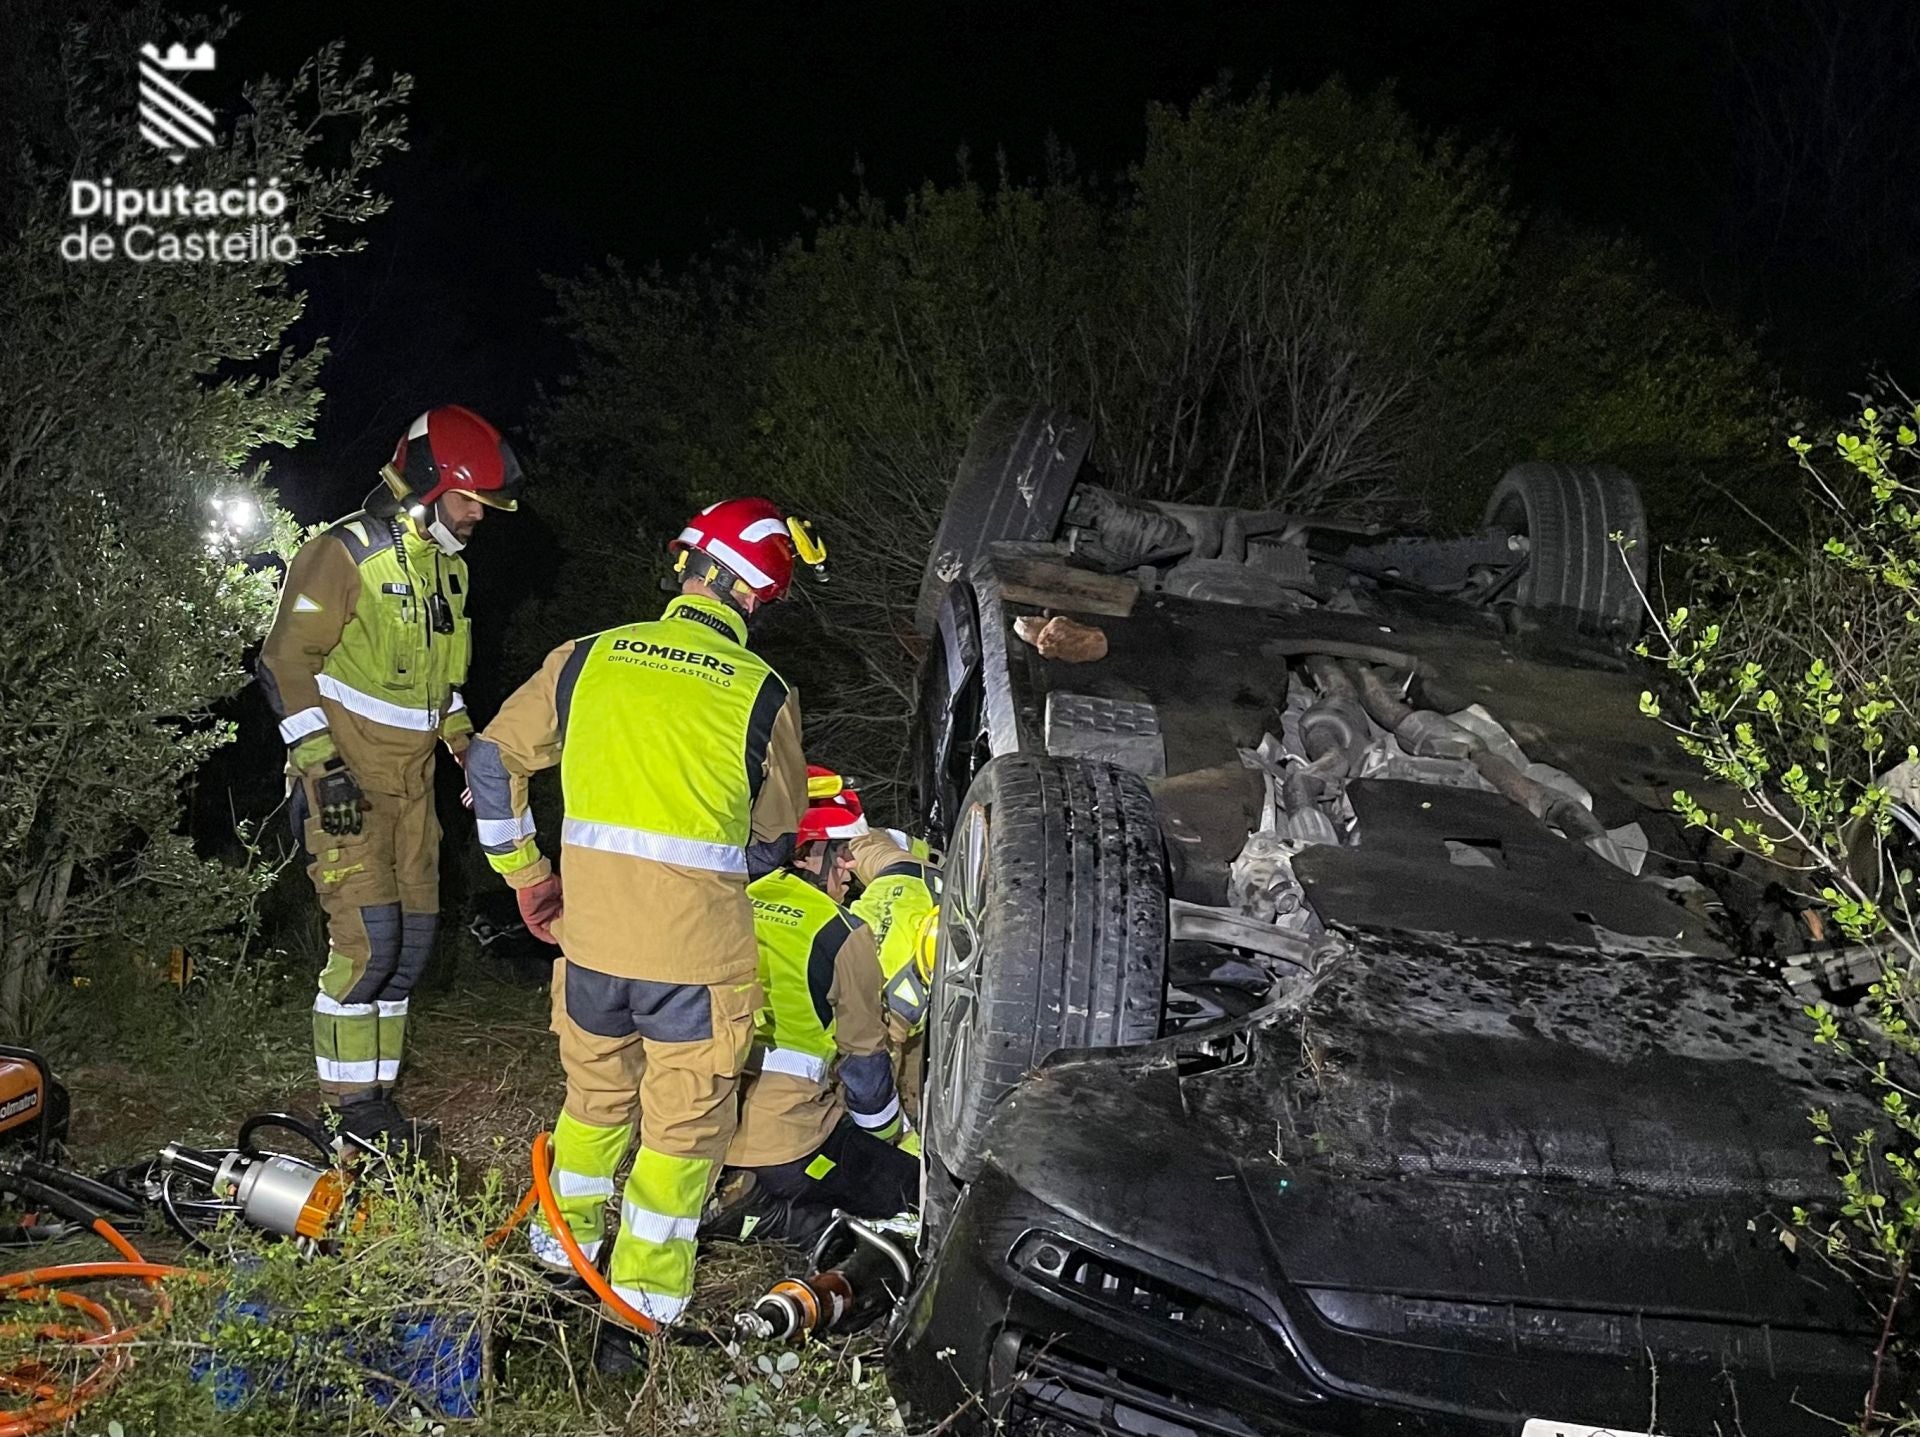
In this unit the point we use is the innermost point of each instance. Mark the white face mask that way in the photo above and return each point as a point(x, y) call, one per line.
point(430, 523)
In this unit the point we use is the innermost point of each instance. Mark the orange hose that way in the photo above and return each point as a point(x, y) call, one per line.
point(118, 1243)
point(55, 1406)
point(542, 1190)
point(514, 1219)
point(14, 1282)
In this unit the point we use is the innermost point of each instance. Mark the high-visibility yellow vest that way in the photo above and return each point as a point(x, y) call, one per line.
point(900, 895)
point(664, 730)
point(799, 929)
point(915, 847)
point(390, 666)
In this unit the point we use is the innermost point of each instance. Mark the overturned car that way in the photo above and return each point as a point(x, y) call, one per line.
point(1331, 1032)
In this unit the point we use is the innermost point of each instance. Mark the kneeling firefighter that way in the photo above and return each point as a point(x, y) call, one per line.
point(900, 901)
point(682, 776)
point(363, 667)
point(821, 1125)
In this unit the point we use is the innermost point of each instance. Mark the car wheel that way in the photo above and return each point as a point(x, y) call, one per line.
point(1569, 515)
point(1013, 483)
point(1053, 935)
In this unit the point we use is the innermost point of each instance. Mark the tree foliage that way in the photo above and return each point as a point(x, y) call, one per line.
point(131, 397)
point(1795, 683)
point(1290, 300)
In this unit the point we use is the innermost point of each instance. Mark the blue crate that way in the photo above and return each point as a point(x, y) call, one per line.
point(434, 1362)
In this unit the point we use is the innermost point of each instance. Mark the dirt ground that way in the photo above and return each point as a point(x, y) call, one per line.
point(480, 1065)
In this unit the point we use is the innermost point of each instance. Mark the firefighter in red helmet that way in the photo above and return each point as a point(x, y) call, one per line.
point(363, 667)
point(744, 551)
point(681, 779)
point(821, 1126)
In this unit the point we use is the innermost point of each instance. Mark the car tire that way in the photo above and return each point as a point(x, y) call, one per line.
point(1053, 935)
point(1013, 483)
point(1569, 514)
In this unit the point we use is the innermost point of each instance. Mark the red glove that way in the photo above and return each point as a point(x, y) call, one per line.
point(466, 792)
point(540, 906)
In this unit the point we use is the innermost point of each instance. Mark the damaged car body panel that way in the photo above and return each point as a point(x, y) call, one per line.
point(1118, 1248)
point(1470, 1102)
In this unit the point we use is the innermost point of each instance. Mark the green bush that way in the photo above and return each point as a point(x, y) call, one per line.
point(1291, 300)
point(318, 1361)
point(133, 396)
point(1793, 678)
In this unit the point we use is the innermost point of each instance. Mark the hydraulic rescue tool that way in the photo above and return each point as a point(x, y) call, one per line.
point(859, 1270)
point(272, 1191)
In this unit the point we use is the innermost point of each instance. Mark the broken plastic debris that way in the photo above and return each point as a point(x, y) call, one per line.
point(1630, 840)
point(1061, 638)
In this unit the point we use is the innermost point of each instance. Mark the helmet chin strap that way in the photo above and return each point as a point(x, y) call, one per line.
point(429, 522)
point(717, 578)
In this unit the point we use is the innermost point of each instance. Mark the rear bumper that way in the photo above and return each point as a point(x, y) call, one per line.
point(1033, 1316)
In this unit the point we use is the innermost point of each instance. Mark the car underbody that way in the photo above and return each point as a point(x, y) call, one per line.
point(1471, 1099)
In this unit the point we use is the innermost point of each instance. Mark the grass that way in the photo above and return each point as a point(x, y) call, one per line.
point(147, 1065)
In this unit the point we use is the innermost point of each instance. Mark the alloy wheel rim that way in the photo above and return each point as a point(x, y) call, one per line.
point(958, 967)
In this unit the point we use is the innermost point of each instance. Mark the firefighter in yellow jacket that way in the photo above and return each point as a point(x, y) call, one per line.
point(899, 893)
point(821, 1126)
point(682, 776)
point(900, 901)
point(363, 667)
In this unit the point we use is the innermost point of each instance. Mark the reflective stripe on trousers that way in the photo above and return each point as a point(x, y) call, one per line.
point(652, 1266)
point(660, 1308)
point(585, 1158)
point(880, 1119)
point(546, 1247)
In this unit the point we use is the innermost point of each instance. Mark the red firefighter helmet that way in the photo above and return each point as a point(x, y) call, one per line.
point(451, 447)
point(833, 809)
point(748, 541)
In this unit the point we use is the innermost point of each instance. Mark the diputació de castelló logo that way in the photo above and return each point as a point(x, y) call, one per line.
point(118, 221)
point(170, 118)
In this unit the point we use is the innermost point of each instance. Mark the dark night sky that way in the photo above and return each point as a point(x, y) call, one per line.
point(573, 131)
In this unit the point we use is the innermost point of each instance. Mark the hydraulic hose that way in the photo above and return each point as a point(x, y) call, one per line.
point(91, 1191)
point(514, 1218)
point(287, 1123)
point(53, 1404)
point(46, 1195)
point(542, 1192)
